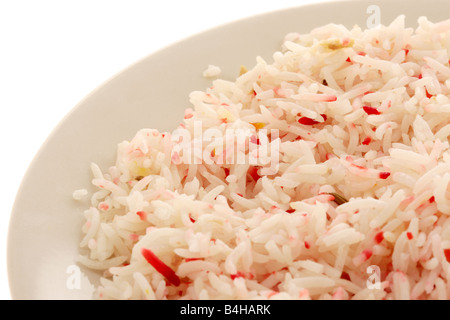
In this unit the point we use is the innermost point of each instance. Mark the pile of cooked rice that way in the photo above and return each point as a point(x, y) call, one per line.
point(354, 204)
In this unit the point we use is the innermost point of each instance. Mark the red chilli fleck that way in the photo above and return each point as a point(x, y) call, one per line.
point(254, 140)
point(307, 245)
point(237, 275)
point(367, 140)
point(447, 254)
point(358, 167)
point(103, 206)
point(409, 235)
point(307, 121)
point(345, 276)
point(431, 200)
point(142, 215)
point(370, 110)
point(188, 114)
point(161, 267)
point(384, 175)
point(134, 237)
point(367, 254)
point(379, 237)
point(253, 172)
point(310, 122)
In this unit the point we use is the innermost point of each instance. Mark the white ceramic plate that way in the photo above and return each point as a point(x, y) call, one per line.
point(44, 231)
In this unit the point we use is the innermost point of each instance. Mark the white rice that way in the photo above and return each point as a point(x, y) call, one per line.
point(212, 71)
point(356, 207)
point(80, 194)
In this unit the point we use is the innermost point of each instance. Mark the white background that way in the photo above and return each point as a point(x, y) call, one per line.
point(54, 52)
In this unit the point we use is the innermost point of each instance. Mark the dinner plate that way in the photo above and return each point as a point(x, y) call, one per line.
point(45, 227)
